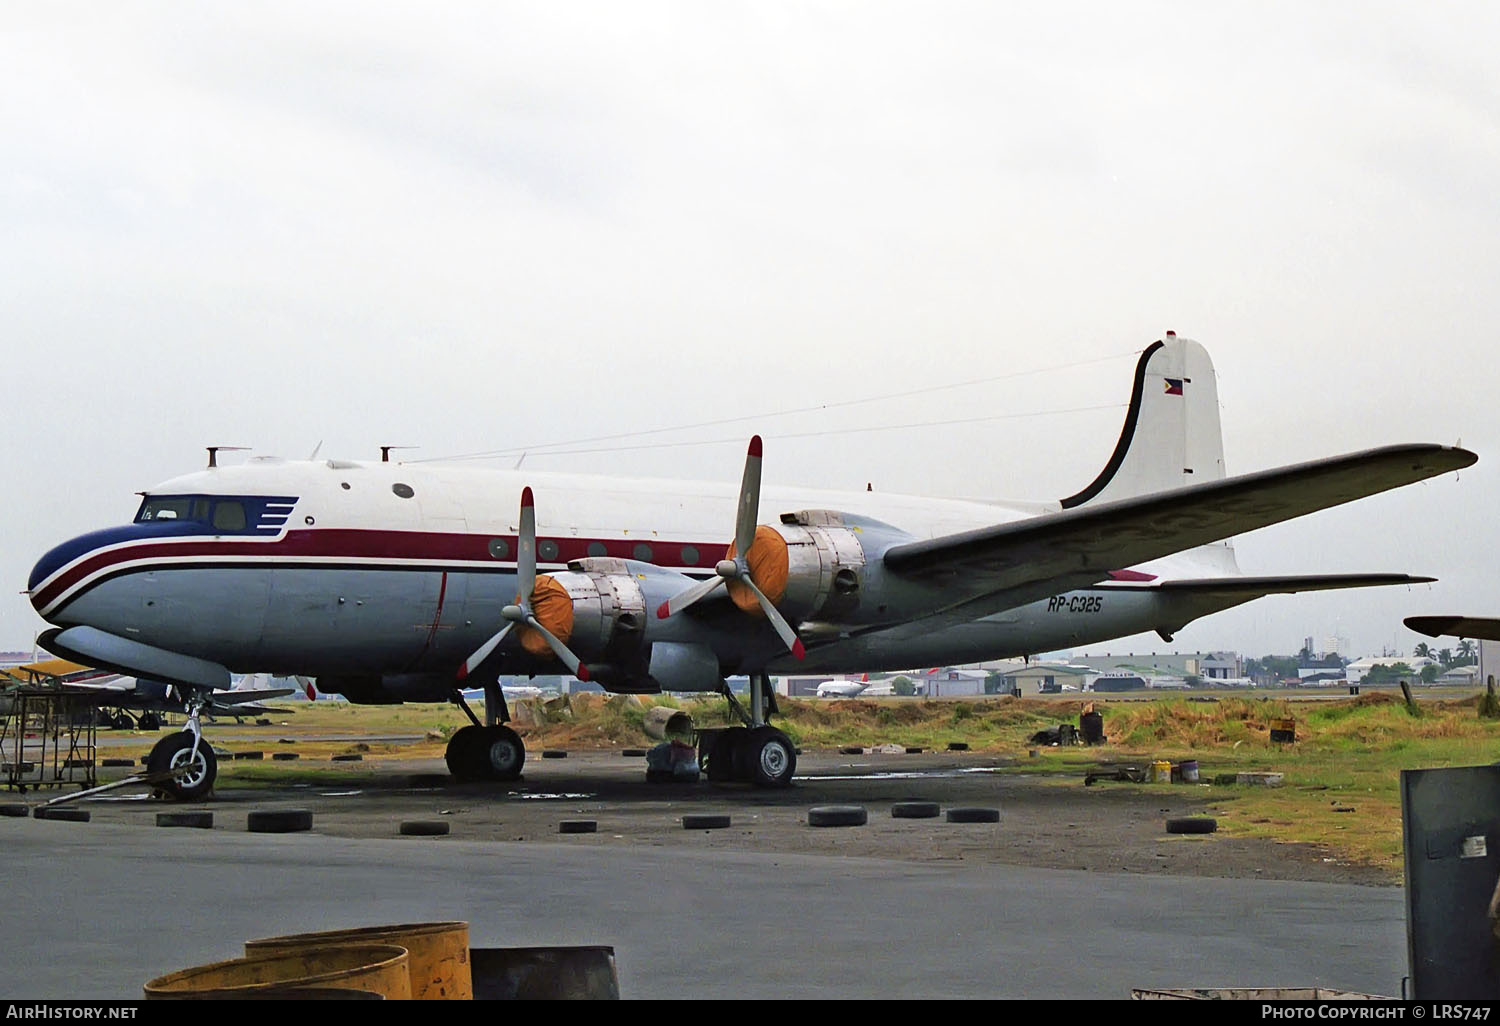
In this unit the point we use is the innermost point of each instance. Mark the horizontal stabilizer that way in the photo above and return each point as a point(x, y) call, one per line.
point(1480, 627)
point(241, 697)
point(1255, 587)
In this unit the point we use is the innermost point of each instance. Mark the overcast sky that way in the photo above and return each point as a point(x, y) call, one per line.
point(481, 226)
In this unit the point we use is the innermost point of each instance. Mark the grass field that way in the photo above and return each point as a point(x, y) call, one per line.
point(1341, 775)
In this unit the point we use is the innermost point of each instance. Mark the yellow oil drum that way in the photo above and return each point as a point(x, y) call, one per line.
point(1161, 772)
point(372, 968)
point(438, 953)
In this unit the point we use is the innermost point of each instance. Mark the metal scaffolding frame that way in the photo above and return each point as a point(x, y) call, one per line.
point(48, 736)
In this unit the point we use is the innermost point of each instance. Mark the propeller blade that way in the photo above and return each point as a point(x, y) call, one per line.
point(483, 652)
point(677, 603)
point(789, 636)
point(526, 549)
point(560, 650)
point(749, 502)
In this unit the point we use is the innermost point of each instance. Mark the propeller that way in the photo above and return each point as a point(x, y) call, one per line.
point(520, 612)
point(736, 566)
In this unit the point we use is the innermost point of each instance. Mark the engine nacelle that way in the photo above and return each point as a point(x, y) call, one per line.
point(825, 573)
point(609, 609)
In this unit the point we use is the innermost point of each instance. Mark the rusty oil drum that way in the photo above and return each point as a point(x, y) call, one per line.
point(379, 969)
point(438, 953)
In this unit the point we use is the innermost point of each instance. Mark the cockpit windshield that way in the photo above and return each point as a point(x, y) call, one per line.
point(173, 507)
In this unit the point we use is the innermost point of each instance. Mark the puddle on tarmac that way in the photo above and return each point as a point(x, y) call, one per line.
point(566, 796)
point(338, 794)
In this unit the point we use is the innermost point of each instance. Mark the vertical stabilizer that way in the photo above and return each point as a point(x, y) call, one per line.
point(1171, 436)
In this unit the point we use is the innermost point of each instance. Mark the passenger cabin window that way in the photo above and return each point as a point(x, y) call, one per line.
point(229, 516)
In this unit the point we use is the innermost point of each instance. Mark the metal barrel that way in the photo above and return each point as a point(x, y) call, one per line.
point(437, 953)
point(533, 974)
point(372, 968)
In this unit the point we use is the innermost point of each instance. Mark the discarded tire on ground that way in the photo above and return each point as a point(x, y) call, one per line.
point(424, 828)
point(62, 815)
point(837, 815)
point(285, 756)
point(705, 822)
point(117, 762)
point(974, 815)
point(348, 757)
point(851, 750)
point(279, 821)
point(197, 820)
point(1192, 825)
point(18, 810)
point(914, 750)
point(578, 826)
point(553, 753)
point(249, 755)
point(634, 753)
point(958, 746)
point(915, 810)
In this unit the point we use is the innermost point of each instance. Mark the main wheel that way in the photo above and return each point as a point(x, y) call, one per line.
point(771, 757)
point(462, 754)
point(192, 776)
point(500, 753)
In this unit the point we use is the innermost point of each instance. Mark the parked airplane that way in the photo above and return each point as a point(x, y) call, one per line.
point(387, 582)
point(843, 688)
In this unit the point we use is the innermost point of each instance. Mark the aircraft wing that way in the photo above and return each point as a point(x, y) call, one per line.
point(1012, 563)
point(1246, 588)
point(1479, 627)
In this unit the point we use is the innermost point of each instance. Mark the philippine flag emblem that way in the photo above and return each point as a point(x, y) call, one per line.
point(1174, 386)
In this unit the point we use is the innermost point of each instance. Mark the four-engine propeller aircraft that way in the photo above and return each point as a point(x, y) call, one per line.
point(390, 582)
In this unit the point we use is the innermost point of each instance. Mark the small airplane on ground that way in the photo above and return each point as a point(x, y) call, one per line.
point(843, 688)
point(392, 582)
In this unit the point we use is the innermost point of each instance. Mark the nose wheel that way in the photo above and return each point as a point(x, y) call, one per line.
point(192, 772)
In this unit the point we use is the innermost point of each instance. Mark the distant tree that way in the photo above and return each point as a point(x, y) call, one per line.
point(1465, 651)
point(1445, 656)
point(1430, 673)
point(1424, 650)
point(1383, 674)
point(903, 686)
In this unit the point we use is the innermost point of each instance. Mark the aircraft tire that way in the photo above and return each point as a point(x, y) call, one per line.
point(1192, 825)
point(462, 754)
point(172, 752)
point(722, 757)
point(501, 753)
point(770, 758)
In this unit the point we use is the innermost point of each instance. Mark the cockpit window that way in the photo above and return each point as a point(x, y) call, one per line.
point(229, 516)
point(172, 507)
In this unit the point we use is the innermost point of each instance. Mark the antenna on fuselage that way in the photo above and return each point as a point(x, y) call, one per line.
point(214, 450)
point(385, 451)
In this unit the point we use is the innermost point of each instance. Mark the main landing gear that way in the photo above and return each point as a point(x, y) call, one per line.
point(486, 751)
point(756, 753)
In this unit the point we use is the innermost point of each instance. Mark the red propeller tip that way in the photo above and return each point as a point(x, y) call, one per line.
point(526, 497)
point(583, 672)
point(663, 611)
point(797, 650)
point(755, 446)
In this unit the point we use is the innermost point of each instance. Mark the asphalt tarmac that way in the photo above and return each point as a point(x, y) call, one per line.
point(96, 909)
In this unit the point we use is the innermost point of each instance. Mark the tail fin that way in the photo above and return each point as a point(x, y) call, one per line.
point(1172, 436)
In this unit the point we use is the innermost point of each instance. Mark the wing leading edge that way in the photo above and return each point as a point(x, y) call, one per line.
point(1081, 546)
